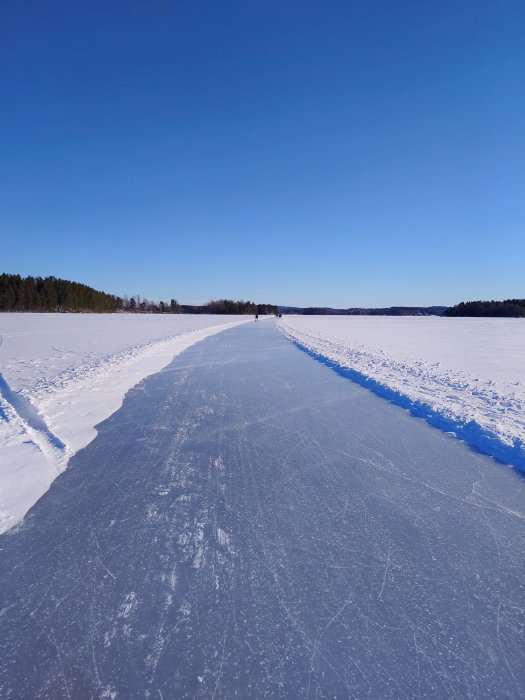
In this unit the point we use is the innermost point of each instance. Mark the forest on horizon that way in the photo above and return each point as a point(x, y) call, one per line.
point(50, 294)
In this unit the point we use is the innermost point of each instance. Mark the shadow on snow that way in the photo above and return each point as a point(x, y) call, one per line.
point(472, 433)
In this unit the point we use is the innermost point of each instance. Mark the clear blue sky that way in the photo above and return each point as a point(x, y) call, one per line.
point(329, 153)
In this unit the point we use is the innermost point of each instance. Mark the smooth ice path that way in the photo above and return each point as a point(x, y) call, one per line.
point(251, 524)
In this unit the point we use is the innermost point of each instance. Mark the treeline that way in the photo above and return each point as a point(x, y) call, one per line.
point(51, 294)
point(507, 308)
point(141, 305)
point(399, 311)
point(228, 306)
point(388, 311)
point(219, 306)
point(54, 295)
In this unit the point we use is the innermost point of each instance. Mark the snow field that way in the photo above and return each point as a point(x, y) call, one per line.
point(463, 375)
point(62, 374)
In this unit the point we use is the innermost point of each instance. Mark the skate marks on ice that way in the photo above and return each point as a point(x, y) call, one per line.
point(251, 525)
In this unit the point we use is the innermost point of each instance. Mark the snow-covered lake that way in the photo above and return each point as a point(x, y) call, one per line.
point(465, 375)
point(62, 374)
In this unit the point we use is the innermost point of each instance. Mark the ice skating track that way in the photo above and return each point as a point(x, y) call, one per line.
point(252, 525)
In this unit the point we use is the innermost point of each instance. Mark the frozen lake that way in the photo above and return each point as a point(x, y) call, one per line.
point(252, 524)
point(464, 375)
point(61, 374)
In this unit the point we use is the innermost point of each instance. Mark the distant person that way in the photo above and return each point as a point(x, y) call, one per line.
point(256, 317)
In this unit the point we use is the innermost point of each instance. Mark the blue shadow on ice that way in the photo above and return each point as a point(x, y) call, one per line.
point(471, 433)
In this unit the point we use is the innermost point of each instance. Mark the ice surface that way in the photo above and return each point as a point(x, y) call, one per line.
point(62, 374)
point(251, 525)
point(464, 375)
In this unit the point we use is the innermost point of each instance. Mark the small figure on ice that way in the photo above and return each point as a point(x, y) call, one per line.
point(256, 317)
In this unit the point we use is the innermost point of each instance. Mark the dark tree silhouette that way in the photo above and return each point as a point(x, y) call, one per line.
point(508, 308)
point(53, 294)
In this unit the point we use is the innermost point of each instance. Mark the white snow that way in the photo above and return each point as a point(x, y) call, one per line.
point(62, 374)
point(464, 375)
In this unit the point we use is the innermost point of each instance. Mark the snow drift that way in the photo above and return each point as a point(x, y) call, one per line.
point(62, 374)
point(463, 375)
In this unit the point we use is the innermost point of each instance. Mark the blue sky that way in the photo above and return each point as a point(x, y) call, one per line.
point(327, 153)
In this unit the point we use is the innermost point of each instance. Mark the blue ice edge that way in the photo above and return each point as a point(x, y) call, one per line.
point(472, 433)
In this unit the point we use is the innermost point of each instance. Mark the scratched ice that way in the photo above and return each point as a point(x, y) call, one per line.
point(250, 524)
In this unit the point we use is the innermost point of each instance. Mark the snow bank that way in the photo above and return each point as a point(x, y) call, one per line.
point(62, 374)
point(463, 375)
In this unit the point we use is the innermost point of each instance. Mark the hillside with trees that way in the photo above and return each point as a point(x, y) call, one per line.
point(50, 294)
point(506, 308)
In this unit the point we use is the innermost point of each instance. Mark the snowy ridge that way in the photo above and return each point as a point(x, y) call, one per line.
point(477, 411)
point(19, 411)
